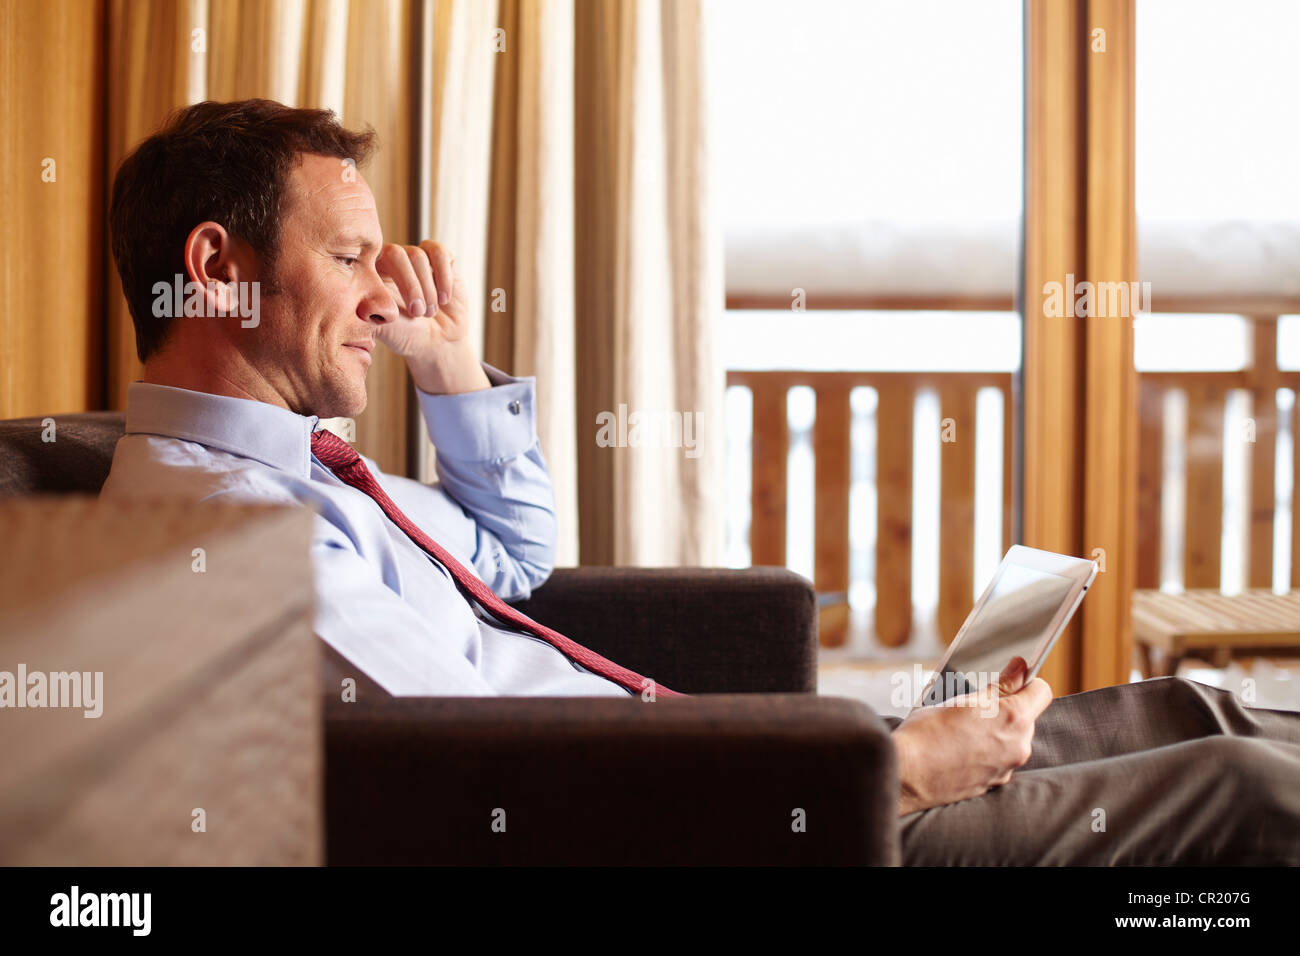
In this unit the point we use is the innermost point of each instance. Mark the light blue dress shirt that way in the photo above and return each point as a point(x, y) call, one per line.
point(382, 602)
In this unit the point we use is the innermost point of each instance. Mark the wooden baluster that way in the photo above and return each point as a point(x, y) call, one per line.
point(1203, 521)
point(956, 506)
point(1295, 494)
point(831, 450)
point(1008, 463)
point(1263, 452)
point(894, 511)
point(769, 453)
point(1151, 469)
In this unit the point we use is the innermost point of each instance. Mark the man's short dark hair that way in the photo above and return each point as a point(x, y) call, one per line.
point(224, 162)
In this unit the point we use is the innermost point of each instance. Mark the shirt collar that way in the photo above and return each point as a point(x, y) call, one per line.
point(267, 433)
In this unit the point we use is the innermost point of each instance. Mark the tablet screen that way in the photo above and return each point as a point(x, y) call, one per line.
point(1012, 622)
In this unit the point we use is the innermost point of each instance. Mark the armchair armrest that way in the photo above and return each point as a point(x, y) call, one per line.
point(696, 630)
point(715, 780)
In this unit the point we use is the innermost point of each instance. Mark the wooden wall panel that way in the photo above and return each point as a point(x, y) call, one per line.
point(52, 243)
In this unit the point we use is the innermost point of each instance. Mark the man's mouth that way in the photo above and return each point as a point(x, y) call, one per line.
point(365, 348)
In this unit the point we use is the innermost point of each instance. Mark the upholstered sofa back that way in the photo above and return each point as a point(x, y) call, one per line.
point(77, 459)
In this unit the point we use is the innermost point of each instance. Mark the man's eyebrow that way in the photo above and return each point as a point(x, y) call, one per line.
point(364, 244)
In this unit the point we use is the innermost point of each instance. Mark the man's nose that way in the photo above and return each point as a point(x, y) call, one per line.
point(379, 305)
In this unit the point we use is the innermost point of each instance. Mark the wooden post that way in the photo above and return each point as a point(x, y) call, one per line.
point(1110, 479)
point(1053, 363)
point(1080, 475)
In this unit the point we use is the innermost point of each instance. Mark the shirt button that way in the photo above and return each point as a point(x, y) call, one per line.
point(514, 407)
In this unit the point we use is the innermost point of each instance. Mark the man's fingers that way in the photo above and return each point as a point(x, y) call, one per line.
point(395, 264)
point(428, 287)
point(442, 262)
point(1013, 676)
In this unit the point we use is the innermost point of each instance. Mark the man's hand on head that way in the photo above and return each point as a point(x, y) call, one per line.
point(961, 748)
point(432, 328)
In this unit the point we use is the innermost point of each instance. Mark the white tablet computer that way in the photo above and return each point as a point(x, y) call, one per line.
point(1020, 614)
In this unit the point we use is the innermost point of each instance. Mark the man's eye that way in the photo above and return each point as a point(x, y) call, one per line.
point(347, 260)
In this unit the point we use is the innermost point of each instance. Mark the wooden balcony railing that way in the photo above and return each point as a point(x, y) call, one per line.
point(1207, 394)
point(897, 393)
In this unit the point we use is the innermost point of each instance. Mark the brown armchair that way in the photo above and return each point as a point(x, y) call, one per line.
point(753, 769)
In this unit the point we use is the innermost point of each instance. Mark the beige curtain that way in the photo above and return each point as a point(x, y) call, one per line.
point(562, 151)
point(609, 256)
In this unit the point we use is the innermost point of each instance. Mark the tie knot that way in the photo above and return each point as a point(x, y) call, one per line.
point(332, 450)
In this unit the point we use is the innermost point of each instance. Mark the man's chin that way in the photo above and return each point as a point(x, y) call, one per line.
point(354, 408)
point(346, 403)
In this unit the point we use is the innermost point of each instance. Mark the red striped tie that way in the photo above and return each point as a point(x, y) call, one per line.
point(337, 455)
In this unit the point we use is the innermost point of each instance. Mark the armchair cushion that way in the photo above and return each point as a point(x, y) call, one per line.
point(697, 630)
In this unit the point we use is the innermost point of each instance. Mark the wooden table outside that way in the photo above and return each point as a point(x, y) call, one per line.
point(1216, 627)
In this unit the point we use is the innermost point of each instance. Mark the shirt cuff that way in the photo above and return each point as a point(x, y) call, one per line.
point(489, 424)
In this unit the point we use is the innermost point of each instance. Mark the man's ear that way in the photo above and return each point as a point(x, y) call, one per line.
point(216, 262)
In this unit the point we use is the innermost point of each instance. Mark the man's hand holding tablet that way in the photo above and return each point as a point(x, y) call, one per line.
point(959, 749)
point(973, 726)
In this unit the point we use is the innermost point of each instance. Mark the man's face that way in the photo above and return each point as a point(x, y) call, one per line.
point(318, 322)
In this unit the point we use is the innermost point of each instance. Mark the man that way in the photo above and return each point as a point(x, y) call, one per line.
point(254, 194)
point(259, 208)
